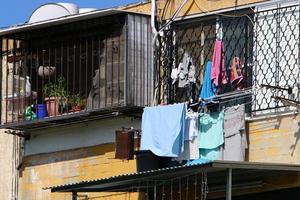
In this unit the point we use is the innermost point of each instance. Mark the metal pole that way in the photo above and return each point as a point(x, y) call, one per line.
point(155, 190)
point(229, 184)
point(74, 195)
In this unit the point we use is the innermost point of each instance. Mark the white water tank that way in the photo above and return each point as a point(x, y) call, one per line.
point(52, 11)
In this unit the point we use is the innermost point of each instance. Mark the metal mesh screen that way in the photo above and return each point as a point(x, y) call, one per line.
point(266, 41)
point(276, 54)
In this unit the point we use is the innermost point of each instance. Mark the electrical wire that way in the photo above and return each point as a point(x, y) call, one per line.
point(225, 15)
point(168, 23)
point(174, 16)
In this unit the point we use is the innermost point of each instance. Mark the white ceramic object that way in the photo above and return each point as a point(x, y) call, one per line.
point(45, 71)
point(52, 11)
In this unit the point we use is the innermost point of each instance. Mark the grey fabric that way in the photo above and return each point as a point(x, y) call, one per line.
point(94, 94)
point(235, 140)
point(234, 120)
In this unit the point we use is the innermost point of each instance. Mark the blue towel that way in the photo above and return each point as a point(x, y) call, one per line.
point(208, 87)
point(198, 161)
point(163, 129)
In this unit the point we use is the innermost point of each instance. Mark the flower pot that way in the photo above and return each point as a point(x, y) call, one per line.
point(76, 108)
point(52, 106)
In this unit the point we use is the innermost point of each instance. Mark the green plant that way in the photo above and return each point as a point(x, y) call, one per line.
point(57, 90)
point(76, 100)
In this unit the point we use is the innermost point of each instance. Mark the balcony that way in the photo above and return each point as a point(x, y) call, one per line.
point(266, 42)
point(78, 71)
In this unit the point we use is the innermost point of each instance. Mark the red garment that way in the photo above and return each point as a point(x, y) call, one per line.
point(218, 72)
point(236, 75)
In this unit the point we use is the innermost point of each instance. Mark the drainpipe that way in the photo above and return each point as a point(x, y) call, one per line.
point(229, 184)
point(154, 31)
point(74, 195)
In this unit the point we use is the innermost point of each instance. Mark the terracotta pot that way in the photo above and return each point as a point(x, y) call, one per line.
point(76, 108)
point(52, 106)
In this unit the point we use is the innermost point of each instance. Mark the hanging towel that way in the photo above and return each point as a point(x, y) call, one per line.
point(211, 154)
point(235, 142)
point(211, 130)
point(163, 129)
point(191, 150)
point(211, 135)
point(218, 73)
point(208, 88)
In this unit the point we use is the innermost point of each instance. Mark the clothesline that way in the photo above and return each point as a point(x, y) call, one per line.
point(237, 93)
point(193, 135)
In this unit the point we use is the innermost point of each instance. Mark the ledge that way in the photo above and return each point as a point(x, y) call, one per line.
point(74, 118)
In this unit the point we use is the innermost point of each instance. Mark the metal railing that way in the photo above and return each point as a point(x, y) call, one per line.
point(84, 66)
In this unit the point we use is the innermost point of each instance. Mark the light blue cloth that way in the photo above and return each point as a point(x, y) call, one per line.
point(163, 129)
point(208, 87)
point(211, 130)
point(198, 161)
point(210, 154)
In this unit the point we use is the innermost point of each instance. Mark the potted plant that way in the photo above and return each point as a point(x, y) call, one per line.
point(76, 103)
point(56, 97)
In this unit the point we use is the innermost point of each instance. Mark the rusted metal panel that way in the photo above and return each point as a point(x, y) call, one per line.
point(139, 63)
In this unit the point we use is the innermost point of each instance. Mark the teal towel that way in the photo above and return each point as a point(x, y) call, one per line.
point(211, 130)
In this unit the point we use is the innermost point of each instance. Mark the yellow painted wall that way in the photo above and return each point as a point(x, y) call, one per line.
point(198, 6)
point(275, 140)
point(51, 169)
point(144, 8)
point(272, 140)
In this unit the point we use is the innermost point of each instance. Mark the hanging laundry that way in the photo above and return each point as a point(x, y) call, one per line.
point(185, 76)
point(208, 88)
point(218, 73)
point(185, 73)
point(211, 136)
point(236, 75)
point(211, 154)
point(198, 161)
point(163, 130)
point(191, 150)
point(234, 134)
point(174, 75)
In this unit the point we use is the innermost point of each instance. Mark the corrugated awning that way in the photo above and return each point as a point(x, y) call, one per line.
point(246, 177)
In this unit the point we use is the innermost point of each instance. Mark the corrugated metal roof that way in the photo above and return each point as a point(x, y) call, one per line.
point(128, 175)
point(105, 184)
point(63, 20)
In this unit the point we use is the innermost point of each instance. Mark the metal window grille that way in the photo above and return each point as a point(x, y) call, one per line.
point(80, 67)
point(267, 42)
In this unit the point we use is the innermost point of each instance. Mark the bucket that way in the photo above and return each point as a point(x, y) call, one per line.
point(146, 160)
point(41, 111)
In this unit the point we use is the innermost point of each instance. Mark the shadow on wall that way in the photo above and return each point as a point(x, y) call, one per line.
point(296, 136)
point(278, 123)
point(67, 155)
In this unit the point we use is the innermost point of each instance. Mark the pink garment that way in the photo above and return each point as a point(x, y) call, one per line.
point(218, 73)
